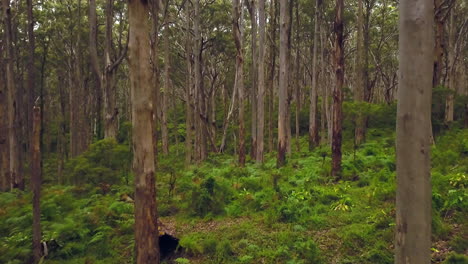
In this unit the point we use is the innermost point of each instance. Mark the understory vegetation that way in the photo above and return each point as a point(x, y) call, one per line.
point(257, 214)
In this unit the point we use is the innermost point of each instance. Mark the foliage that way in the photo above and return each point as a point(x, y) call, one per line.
point(104, 162)
point(242, 215)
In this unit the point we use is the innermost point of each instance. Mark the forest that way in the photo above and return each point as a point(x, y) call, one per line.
point(234, 131)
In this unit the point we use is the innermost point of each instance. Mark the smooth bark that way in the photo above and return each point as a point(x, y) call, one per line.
point(313, 120)
point(272, 71)
point(413, 198)
point(452, 71)
point(189, 126)
point(261, 83)
point(237, 27)
point(283, 125)
point(165, 92)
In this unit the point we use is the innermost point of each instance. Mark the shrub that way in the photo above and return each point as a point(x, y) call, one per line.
point(104, 162)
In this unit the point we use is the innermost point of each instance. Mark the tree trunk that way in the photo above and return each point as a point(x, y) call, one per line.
point(313, 124)
point(78, 118)
point(108, 83)
point(106, 74)
point(368, 88)
point(237, 27)
point(325, 97)
point(261, 83)
point(228, 118)
point(36, 174)
point(154, 11)
point(254, 75)
point(61, 133)
point(200, 114)
point(289, 96)
point(189, 127)
point(4, 167)
point(31, 68)
point(297, 79)
point(146, 224)
point(452, 71)
point(16, 179)
point(272, 71)
point(164, 112)
point(283, 125)
point(361, 72)
point(337, 117)
point(439, 43)
point(413, 198)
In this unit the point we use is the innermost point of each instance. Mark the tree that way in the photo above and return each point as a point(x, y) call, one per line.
point(337, 114)
point(237, 28)
point(167, 80)
point(4, 164)
point(146, 224)
point(189, 127)
point(261, 83)
point(16, 179)
point(105, 74)
point(413, 197)
point(283, 125)
point(78, 97)
point(360, 88)
point(36, 174)
point(154, 12)
point(313, 120)
point(200, 113)
point(272, 71)
point(251, 5)
point(31, 67)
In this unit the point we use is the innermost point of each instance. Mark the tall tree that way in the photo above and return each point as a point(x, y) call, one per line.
point(272, 71)
point(337, 115)
point(452, 70)
point(16, 179)
point(359, 88)
point(313, 120)
point(237, 28)
point(154, 12)
point(36, 174)
point(200, 106)
point(4, 164)
point(261, 83)
point(189, 127)
point(283, 125)
point(107, 72)
point(252, 6)
point(79, 122)
point(167, 81)
point(413, 198)
point(31, 67)
point(297, 76)
point(146, 224)
point(440, 12)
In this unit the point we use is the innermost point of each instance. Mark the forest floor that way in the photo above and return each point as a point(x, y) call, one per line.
point(258, 214)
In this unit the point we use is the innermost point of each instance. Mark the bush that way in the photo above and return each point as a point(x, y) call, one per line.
point(456, 259)
point(104, 162)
